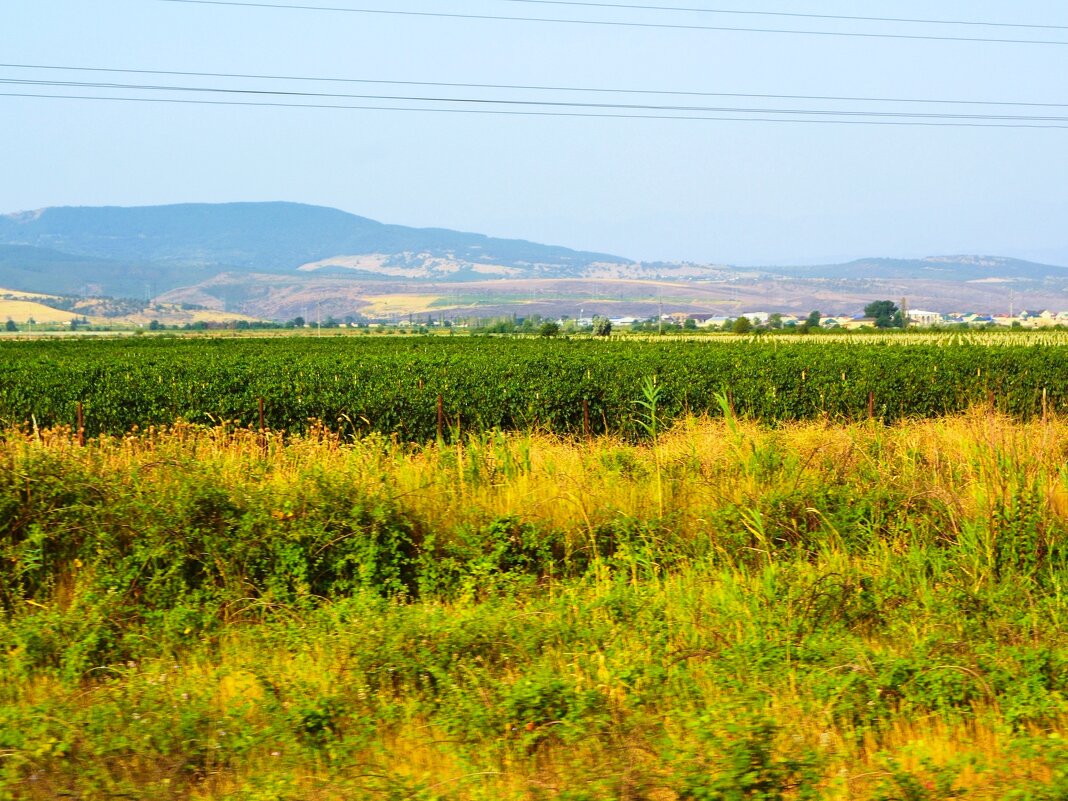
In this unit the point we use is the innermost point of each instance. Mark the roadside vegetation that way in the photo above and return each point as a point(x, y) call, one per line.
point(717, 609)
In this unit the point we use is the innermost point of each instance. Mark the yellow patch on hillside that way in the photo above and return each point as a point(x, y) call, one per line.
point(15, 294)
point(22, 311)
point(178, 316)
point(213, 316)
point(382, 305)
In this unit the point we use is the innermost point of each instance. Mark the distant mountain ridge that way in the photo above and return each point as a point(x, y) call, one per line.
point(269, 238)
point(939, 268)
point(250, 257)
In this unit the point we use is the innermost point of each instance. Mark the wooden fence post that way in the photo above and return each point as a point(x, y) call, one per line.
point(871, 404)
point(81, 425)
point(441, 420)
point(586, 418)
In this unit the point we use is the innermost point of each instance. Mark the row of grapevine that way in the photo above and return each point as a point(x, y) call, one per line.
point(392, 386)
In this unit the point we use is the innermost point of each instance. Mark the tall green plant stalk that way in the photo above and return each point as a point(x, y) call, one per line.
point(648, 420)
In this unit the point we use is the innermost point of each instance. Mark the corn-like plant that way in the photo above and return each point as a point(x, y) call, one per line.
point(648, 421)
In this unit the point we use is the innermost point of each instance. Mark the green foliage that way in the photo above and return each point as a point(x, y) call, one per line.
point(748, 763)
point(649, 421)
point(390, 386)
point(602, 326)
point(743, 325)
point(216, 621)
point(885, 313)
point(812, 322)
point(649, 403)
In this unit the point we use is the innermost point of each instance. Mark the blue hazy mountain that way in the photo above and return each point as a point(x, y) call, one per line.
point(254, 237)
point(932, 268)
point(146, 251)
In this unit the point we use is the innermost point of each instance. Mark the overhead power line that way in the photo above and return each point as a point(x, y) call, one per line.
point(794, 15)
point(534, 88)
point(618, 23)
point(548, 104)
point(964, 123)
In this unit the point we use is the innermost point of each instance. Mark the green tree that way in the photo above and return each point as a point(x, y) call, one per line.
point(743, 325)
point(154, 325)
point(690, 324)
point(549, 329)
point(10, 326)
point(812, 322)
point(602, 326)
point(775, 321)
point(885, 313)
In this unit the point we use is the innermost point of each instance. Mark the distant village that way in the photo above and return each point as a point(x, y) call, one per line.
point(743, 322)
point(764, 320)
point(917, 318)
point(896, 317)
point(891, 316)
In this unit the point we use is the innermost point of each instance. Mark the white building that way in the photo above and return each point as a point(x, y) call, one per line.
point(920, 317)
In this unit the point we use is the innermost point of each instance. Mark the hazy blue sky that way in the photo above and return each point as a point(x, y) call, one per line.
point(651, 189)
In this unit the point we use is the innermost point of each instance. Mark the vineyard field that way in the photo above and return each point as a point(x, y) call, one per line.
point(358, 385)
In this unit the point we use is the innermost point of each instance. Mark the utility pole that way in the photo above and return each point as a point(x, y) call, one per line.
point(660, 317)
point(904, 312)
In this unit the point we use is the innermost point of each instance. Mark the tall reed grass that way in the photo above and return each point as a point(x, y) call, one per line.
point(729, 611)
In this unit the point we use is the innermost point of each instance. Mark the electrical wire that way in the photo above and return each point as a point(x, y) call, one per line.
point(528, 113)
point(540, 103)
point(523, 87)
point(617, 23)
point(794, 15)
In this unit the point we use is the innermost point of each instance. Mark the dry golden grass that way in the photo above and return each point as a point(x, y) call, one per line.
point(966, 463)
point(21, 311)
point(383, 305)
point(15, 294)
point(958, 472)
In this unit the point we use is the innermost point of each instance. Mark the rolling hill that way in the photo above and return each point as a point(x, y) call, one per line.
point(179, 245)
point(935, 268)
point(277, 260)
point(42, 269)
